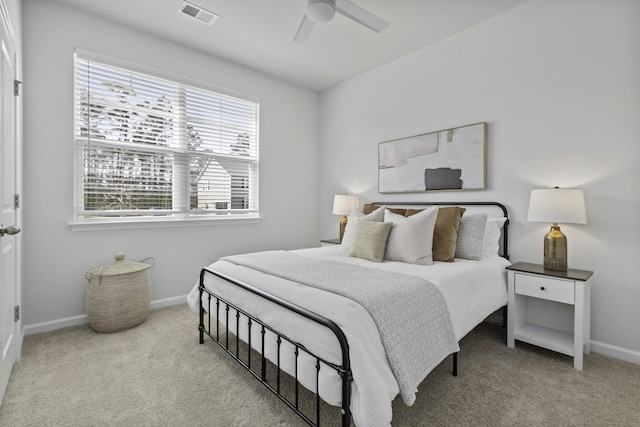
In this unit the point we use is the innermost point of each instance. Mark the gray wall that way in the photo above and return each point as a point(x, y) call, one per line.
point(557, 82)
point(57, 258)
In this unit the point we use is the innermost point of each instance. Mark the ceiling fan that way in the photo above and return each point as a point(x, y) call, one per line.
point(319, 11)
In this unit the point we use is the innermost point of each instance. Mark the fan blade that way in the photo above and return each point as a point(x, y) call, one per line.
point(303, 30)
point(361, 16)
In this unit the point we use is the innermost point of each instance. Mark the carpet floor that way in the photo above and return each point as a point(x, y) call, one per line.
point(157, 374)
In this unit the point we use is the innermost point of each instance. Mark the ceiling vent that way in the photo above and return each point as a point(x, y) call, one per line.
point(198, 13)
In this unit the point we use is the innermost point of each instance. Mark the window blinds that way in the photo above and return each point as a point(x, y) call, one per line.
point(148, 146)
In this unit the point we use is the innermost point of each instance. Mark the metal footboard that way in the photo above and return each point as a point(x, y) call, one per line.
point(212, 303)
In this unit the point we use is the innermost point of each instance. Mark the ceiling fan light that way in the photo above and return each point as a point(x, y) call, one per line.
point(320, 11)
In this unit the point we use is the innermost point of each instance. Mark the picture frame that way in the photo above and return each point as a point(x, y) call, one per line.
point(446, 160)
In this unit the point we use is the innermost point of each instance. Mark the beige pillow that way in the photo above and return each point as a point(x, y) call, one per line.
point(371, 240)
point(445, 232)
point(411, 238)
point(367, 209)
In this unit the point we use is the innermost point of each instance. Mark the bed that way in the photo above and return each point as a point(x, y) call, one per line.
point(327, 318)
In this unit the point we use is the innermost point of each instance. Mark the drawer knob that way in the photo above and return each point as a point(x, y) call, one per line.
point(542, 288)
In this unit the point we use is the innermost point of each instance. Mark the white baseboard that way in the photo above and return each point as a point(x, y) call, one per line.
point(168, 302)
point(52, 325)
point(616, 352)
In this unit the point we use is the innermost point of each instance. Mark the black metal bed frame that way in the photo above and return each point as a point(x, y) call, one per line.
point(343, 369)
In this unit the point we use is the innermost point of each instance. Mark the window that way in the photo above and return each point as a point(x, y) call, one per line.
point(149, 148)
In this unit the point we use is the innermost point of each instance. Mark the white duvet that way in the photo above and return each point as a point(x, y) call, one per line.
point(472, 289)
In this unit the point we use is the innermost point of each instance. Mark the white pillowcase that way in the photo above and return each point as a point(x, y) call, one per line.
point(491, 240)
point(352, 225)
point(411, 238)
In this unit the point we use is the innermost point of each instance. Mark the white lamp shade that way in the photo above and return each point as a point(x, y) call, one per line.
point(320, 11)
point(344, 204)
point(559, 205)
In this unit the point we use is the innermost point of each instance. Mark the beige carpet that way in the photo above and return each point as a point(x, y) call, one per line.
point(158, 375)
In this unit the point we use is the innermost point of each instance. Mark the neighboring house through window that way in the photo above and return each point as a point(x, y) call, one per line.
point(153, 148)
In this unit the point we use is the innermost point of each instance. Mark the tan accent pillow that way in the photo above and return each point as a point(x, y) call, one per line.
point(367, 209)
point(371, 240)
point(410, 212)
point(445, 232)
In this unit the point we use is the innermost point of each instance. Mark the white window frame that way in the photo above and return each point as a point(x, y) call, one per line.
point(181, 213)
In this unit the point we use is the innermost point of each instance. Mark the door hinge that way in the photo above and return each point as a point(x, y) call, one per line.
point(16, 201)
point(16, 313)
point(16, 87)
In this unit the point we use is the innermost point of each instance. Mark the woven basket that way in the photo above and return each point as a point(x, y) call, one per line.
point(118, 294)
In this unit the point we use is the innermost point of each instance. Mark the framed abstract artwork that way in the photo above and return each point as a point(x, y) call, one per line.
point(446, 160)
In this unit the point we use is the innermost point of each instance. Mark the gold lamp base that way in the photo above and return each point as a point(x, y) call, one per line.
point(555, 249)
point(343, 225)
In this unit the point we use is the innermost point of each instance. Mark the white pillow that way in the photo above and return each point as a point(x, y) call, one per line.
point(352, 225)
point(470, 236)
point(491, 240)
point(411, 238)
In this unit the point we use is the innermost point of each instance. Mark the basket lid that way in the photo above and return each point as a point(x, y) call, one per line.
point(120, 266)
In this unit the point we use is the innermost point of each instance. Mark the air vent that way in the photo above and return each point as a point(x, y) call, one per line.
point(198, 13)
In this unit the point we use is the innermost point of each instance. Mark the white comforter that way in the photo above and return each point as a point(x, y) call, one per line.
point(472, 290)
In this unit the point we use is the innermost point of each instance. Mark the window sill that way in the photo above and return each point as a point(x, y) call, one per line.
point(99, 225)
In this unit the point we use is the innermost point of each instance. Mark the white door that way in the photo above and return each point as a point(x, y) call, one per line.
point(9, 254)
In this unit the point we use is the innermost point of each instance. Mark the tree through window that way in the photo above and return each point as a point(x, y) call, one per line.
point(150, 147)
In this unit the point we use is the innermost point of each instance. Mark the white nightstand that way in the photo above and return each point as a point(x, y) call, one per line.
point(537, 299)
point(329, 242)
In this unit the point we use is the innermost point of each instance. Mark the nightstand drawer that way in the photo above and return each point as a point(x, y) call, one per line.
point(541, 287)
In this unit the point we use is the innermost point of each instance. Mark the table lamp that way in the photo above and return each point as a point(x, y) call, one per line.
point(344, 204)
point(556, 205)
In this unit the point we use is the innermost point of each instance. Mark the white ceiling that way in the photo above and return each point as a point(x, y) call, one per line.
point(258, 33)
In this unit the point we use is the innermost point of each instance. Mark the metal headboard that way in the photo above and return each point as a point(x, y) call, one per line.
point(505, 228)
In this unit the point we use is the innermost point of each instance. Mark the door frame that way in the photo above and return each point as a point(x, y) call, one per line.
point(5, 21)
